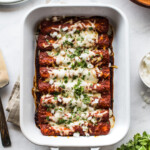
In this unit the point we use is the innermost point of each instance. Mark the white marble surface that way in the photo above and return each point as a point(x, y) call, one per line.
point(139, 21)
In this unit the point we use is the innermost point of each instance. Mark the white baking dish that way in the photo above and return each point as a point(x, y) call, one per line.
point(11, 2)
point(121, 75)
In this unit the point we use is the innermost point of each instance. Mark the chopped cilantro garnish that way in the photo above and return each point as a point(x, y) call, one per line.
point(70, 117)
point(67, 43)
point(82, 39)
point(71, 103)
point(48, 41)
point(73, 66)
point(61, 121)
point(78, 39)
point(71, 56)
point(56, 93)
point(68, 55)
point(65, 79)
point(90, 28)
point(92, 57)
point(55, 109)
point(86, 99)
point(48, 109)
point(47, 118)
point(60, 109)
point(79, 108)
point(83, 77)
point(50, 106)
point(78, 90)
point(73, 115)
point(55, 98)
point(77, 31)
point(57, 54)
point(74, 77)
point(66, 35)
point(69, 121)
point(91, 84)
point(77, 118)
point(54, 78)
point(82, 64)
point(78, 51)
point(86, 51)
point(79, 82)
point(65, 94)
point(62, 86)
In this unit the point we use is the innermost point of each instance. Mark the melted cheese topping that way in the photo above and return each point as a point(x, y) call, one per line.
point(63, 58)
point(88, 74)
point(70, 100)
point(74, 106)
point(77, 118)
point(86, 38)
point(74, 26)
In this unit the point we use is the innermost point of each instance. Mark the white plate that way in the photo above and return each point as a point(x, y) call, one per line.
point(11, 2)
point(121, 75)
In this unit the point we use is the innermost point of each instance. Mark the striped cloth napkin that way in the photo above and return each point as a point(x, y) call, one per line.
point(13, 105)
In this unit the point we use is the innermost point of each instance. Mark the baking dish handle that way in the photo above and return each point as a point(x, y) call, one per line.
point(54, 148)
point(94, 148)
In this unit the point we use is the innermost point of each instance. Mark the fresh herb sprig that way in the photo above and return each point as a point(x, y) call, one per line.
point(139, 142)
point(81, 64)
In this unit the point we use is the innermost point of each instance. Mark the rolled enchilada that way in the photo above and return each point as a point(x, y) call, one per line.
point(73, 86)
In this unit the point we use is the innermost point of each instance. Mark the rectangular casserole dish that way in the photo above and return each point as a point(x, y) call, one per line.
point(121, 75)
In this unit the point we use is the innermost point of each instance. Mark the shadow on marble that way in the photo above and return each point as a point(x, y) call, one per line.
point(17, 7)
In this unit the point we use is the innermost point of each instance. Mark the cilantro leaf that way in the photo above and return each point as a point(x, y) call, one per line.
point(55, 98)
point(62, 86)
point(86, 99)
point(139, 142)
point(61, 121)
point(65, 79)
point(90, 28)
point(47, 118)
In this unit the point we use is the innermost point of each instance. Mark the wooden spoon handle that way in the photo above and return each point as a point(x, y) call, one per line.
point(144, 3)
point(3, 128)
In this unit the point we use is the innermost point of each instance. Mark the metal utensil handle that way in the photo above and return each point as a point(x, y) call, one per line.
point(3, 128)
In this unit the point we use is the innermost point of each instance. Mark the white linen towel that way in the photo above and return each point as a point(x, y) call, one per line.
point(13, 104)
